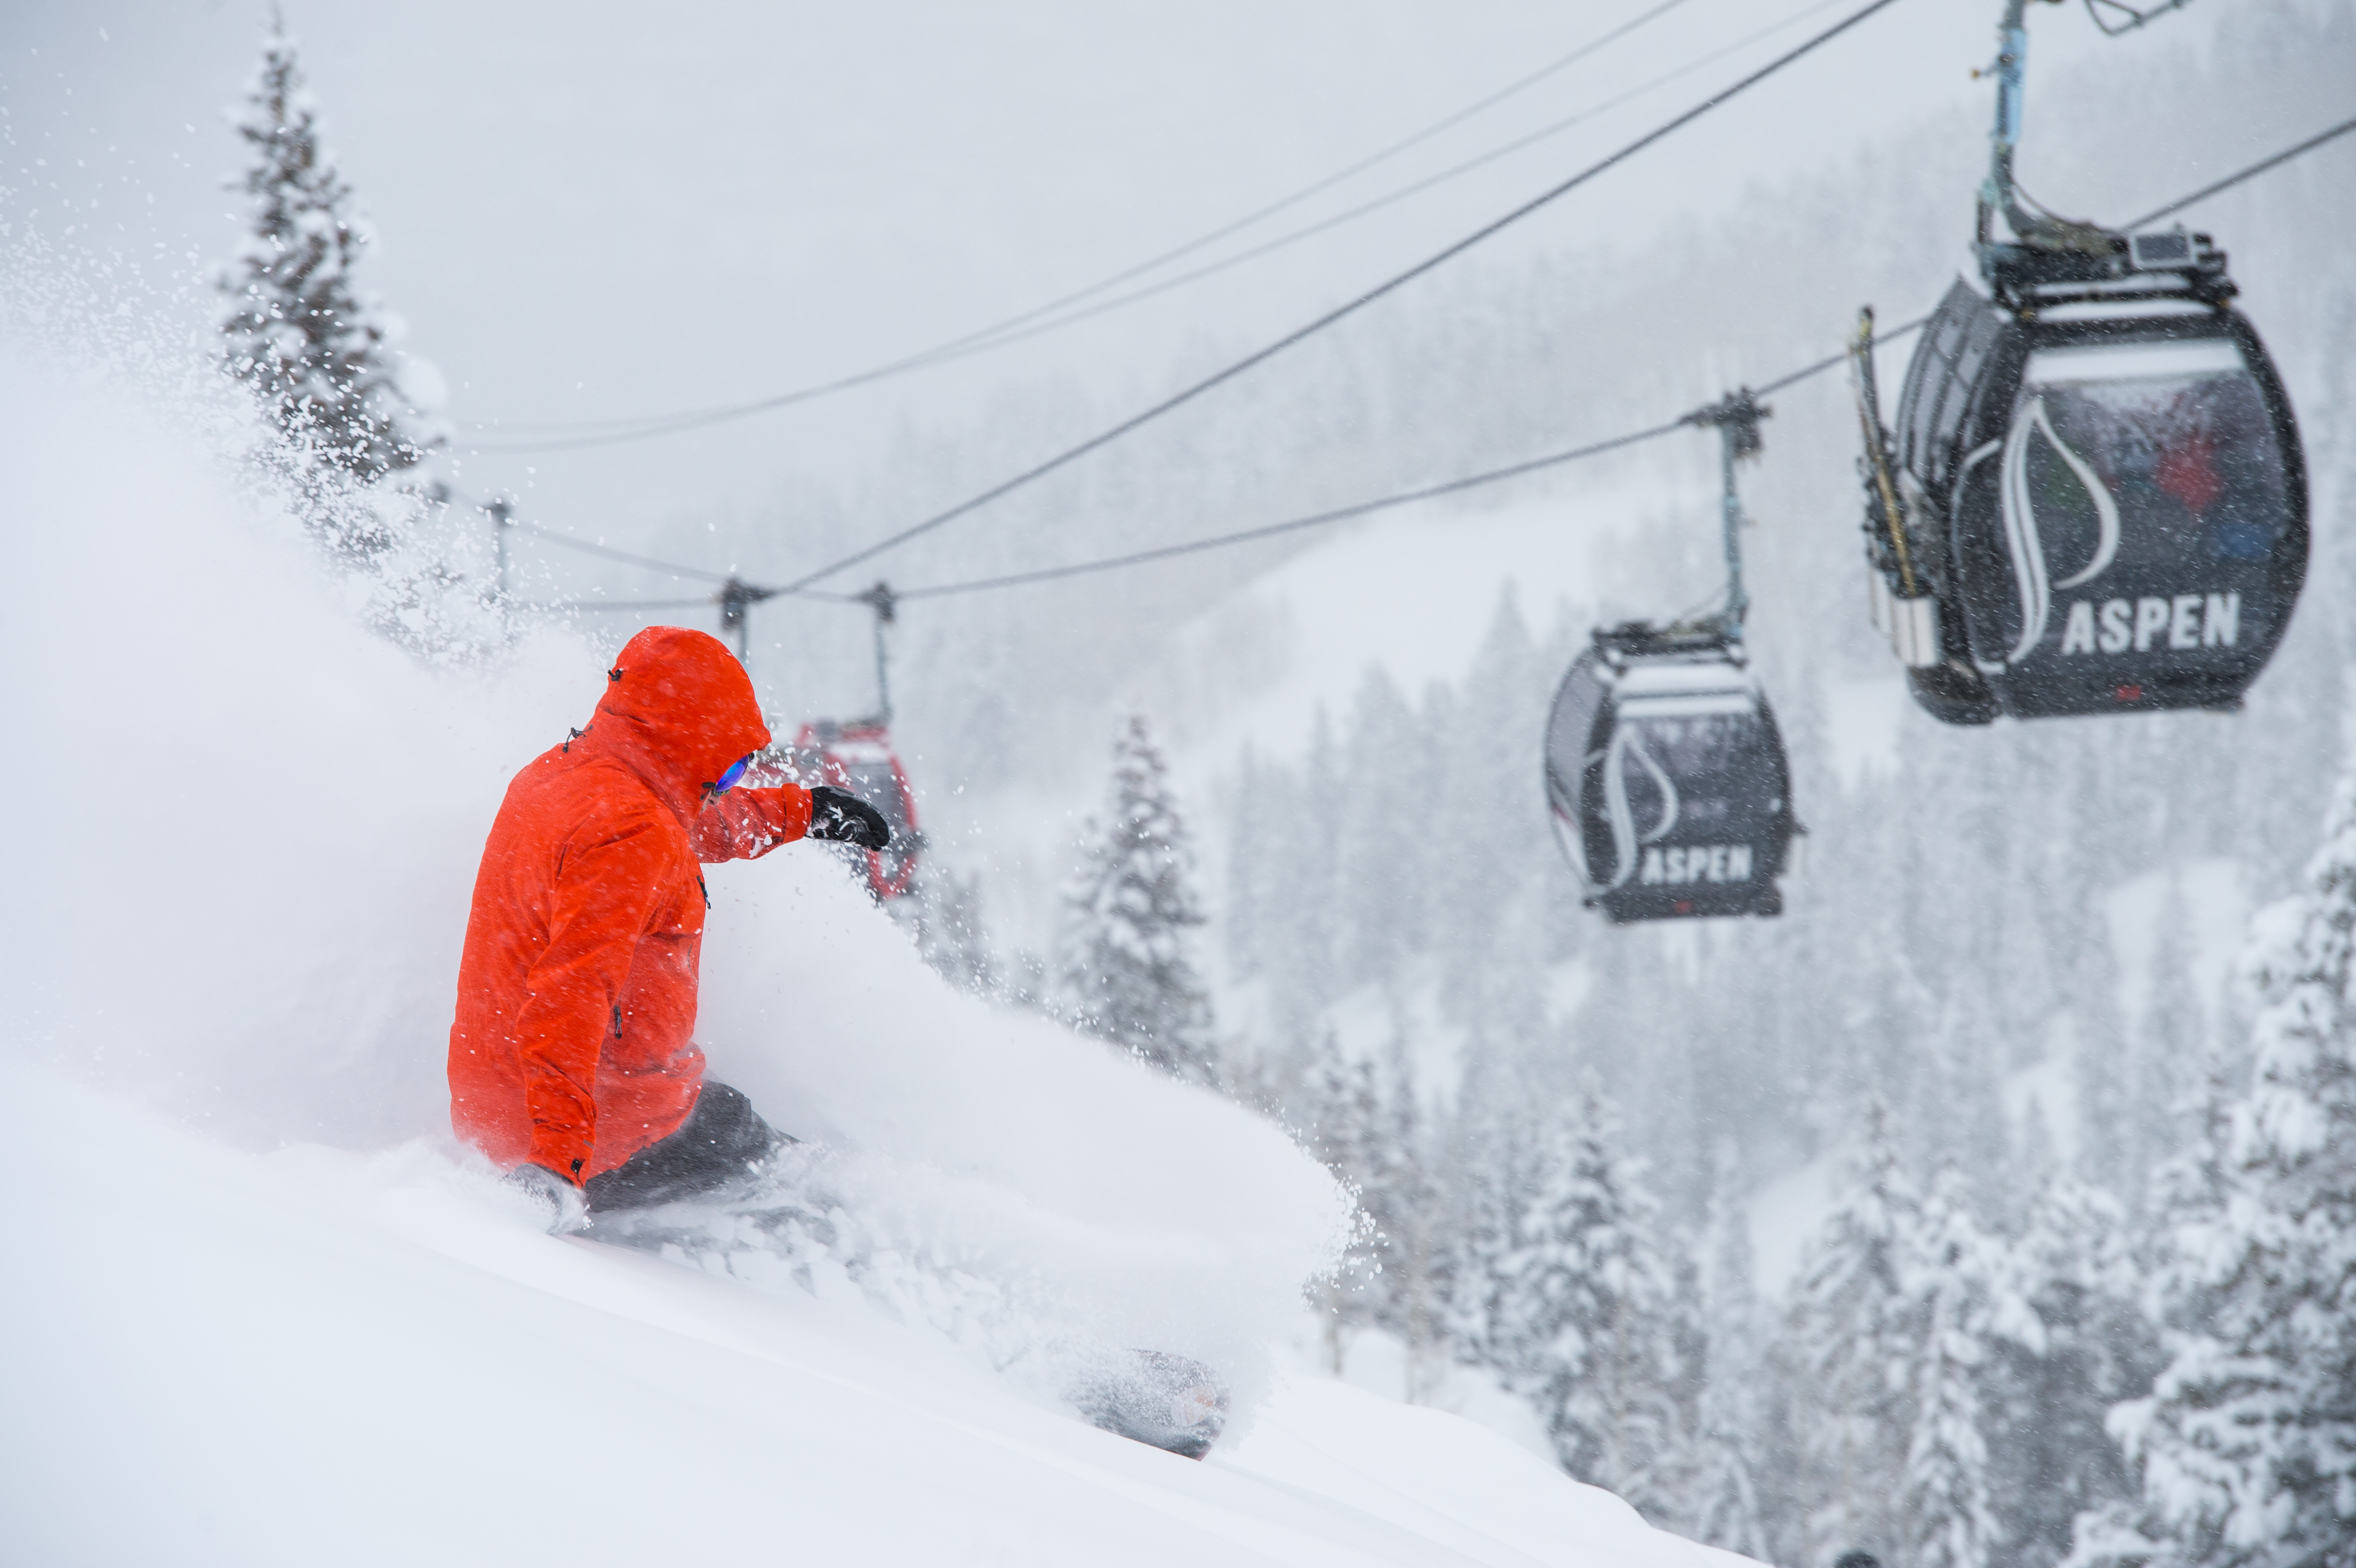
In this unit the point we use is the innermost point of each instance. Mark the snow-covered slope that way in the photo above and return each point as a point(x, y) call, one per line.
point(264, 1309)
point(1413, 591)
point(217, 1356)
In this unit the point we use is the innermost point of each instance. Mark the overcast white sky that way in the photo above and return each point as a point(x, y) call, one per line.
point(588, 210)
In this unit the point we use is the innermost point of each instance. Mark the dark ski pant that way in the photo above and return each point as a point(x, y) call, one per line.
point(723, 1141)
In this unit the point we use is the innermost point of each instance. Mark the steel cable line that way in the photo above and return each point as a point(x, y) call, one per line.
point(624, 604)
point(1341, 312)
point(1514, 471)
point(1269, 531)
point(2154, 216)
point(1383, 503)
point(587, 547)
point(1217, 541)
point(2206, 191)
point(569, 542)
point(981, 344)
point(1376, 204)
point(1363, 509)
point(626, 428)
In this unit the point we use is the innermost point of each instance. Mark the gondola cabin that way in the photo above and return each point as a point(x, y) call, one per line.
point(2102, 494)
point(1666, 778)
point(858, 757)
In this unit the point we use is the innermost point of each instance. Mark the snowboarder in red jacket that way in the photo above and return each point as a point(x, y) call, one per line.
point(572, 1061)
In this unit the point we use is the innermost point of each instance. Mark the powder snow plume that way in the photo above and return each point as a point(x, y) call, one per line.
point(262, 820)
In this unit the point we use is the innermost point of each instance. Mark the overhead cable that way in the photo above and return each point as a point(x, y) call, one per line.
point(623, 604)
point(1028, 325)
point(1513, 471)
point(627, 428)
point(1389, 198)
point(1191, 547)
point(1363, 508)
point(671, 567)
point(586, 547)
point(2230, 181)
point(1269, 531)
point(1380, 290)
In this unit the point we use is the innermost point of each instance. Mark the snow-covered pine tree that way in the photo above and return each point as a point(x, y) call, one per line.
point(2106, 1151)
point(1489, 1149)
point(314, 348)
point(1720, 1485)
point(1363, 1119)
point(1405, 1203)
point(945, 917)
point(1128, 972)
point(1487, 934)
point(1958, 1279)
point(1383, 873)
point(2055, 1460)
point(1339, 1113)
point(1254, 904)
point(1956, 1106)
point(1592, 1318)
point(2170, 1047)
point(1845, 1355)
point(2246, 1446)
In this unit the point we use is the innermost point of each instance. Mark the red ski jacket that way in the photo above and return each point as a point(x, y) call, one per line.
point(576, 994)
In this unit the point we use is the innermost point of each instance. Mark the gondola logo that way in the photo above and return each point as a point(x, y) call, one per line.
point(1659, 866)
point(1696, 863)
point(2185, 620)
point(1625, 746)
point(2024, 546)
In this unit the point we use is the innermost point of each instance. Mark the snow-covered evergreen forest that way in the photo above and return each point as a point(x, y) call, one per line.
point(2060, 1208)
point(1993, 1208)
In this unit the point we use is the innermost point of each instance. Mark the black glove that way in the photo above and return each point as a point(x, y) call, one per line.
point(568, 1209)
point(842, 819)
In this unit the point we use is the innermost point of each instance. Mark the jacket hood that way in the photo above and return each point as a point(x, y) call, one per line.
point(680, 708)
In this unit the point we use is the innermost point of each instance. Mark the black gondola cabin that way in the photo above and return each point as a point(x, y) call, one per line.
point(2102, 494)
point(1666, 778)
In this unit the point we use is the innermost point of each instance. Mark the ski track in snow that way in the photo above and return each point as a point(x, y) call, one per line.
point(358, 1347)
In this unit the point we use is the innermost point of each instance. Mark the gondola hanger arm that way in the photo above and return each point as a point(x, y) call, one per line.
point(2135, 18)
point(1736, 418)
point(1999, 193)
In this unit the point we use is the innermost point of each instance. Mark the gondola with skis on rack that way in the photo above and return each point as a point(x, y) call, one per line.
point(2095, 497)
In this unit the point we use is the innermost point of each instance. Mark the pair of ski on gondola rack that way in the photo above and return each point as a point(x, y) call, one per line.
point(2094, 501)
